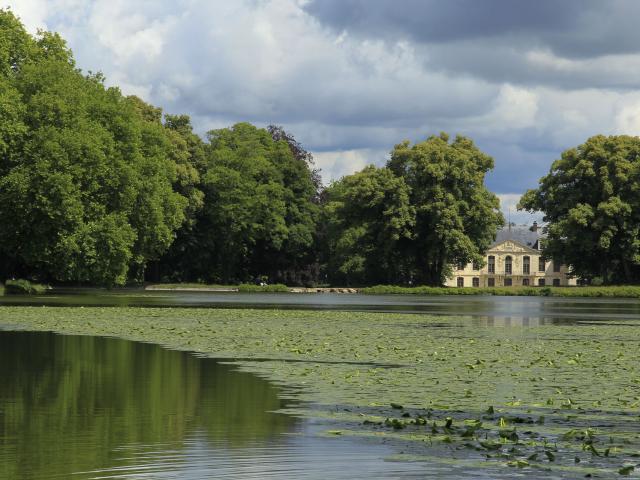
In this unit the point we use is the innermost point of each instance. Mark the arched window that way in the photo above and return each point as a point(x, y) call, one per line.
point(491, 264)
point(525, 282)
point(507, 265)
point(475, 282)
point(541, 282)
point(526, 265)
point(461, 281)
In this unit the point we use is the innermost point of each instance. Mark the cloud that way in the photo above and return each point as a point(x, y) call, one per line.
point(509, 208)
point(336, 164)
point(351, 78)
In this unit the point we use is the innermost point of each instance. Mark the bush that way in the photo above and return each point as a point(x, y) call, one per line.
point(23, 287)
point(630, 291)
point(276, 287)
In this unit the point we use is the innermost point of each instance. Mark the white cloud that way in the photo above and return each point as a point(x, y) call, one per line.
point(348, 98)
point(335, 165)
point(509, 208)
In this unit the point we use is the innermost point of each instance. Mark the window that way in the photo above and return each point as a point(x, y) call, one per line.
point(525, 282)
point(492, 264)
point(541, 265)
point(556, 282)
point(491, 282)
point(476, 282)
point(507, 265)
point(476, 265)
point(460, 281)
point(556, 266)
point(461, 266)
point(541, 282)
point(508, 282)
point(526, 265)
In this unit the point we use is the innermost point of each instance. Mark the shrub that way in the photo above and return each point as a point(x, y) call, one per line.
point(276, 287)
point(23, 287)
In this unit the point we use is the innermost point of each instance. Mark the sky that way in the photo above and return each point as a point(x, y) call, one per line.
point(352, 78)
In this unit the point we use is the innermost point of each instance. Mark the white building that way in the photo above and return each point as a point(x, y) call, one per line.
point(513, 259)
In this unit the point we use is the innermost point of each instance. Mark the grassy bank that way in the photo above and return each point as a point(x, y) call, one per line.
point(608, 291)
point(448, 390)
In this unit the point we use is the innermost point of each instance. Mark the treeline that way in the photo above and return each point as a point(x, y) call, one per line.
point(98, 188)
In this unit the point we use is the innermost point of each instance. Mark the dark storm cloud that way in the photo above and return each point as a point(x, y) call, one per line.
point(569, 28)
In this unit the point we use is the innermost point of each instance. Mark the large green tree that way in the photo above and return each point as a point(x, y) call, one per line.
point(456, 215)
point(86, 175)
point(591, 199)
point(259, 215)
point(369, 224)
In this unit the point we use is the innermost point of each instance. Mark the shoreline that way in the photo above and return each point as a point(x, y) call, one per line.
point(631, 291)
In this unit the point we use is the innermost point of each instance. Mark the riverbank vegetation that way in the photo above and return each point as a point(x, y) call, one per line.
point(547, 396)
point(23, 287)
point(98, 188)
point(605, 291)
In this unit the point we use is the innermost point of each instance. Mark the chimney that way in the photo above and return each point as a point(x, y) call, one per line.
point(534, 227)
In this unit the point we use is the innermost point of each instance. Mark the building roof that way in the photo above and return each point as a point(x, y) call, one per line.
point(524, 235)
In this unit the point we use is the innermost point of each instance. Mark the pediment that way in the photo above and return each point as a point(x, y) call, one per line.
point(512, 247)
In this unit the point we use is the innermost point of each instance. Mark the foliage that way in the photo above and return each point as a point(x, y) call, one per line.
point(456, 215)
point(591, 199)
point(587, 292)
point(276, 287)
point(86, 176)
point(23, 287)
point(368, 220)
point(258, 217)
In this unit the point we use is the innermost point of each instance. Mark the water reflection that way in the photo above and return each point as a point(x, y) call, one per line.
point(73, 404)
point(96, 408)
point(487, 310)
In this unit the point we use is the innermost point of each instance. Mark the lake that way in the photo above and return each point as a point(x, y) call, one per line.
point(92, 407)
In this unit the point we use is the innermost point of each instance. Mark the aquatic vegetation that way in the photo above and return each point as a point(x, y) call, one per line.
point(559, 397)
point(631, 291)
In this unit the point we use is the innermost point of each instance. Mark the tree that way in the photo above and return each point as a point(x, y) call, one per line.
point(258, 216)
point(591, 199)
point(369, 223)
point(86, 175)
point(456, 215)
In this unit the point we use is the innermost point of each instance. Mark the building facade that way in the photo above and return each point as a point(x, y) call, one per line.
point(514, 259)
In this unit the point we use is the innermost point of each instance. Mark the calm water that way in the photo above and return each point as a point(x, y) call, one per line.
point(488, 309)
point(83, 407)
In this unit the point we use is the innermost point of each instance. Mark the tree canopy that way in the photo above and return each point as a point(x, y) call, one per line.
point(86, 175)
point(591, 199)
point(456, 215)
point(259, 214)
point(369, 221)
point(99, 188)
